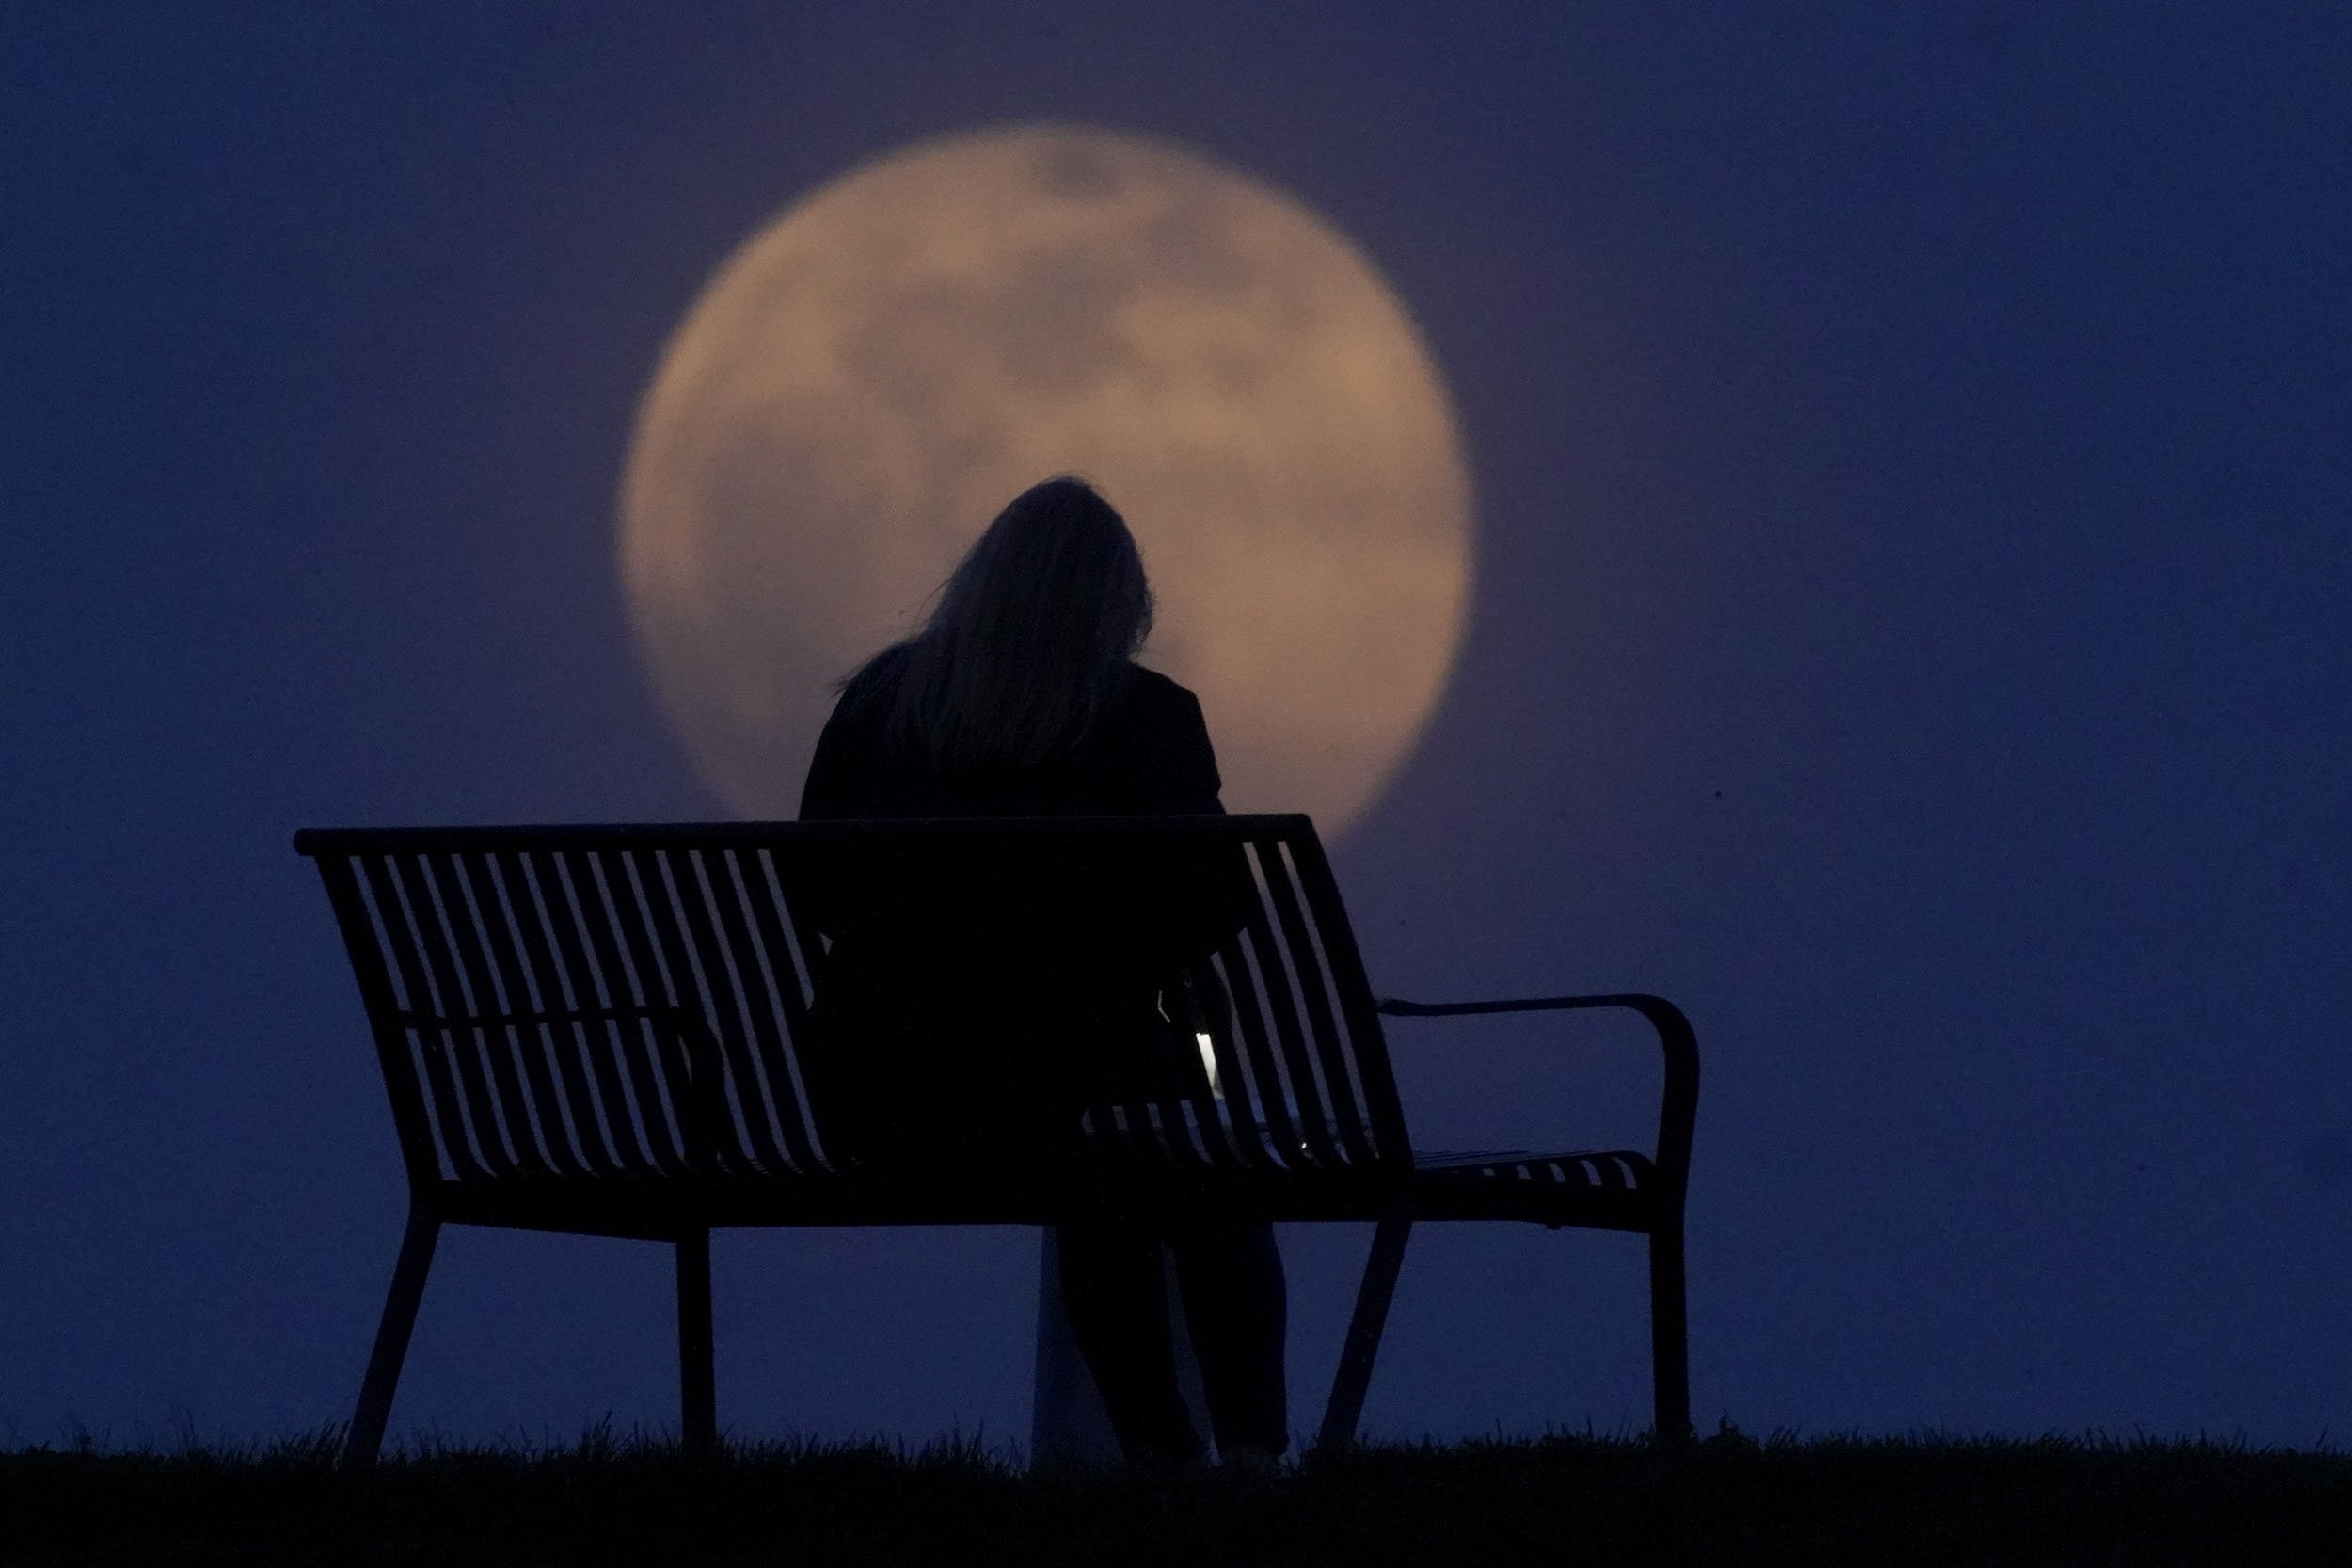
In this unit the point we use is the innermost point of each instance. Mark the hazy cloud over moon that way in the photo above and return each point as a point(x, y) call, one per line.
point(871, 378)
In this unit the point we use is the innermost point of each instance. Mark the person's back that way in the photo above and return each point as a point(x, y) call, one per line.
point(1146, 752)
point(938, 1038)
point(968, 1014)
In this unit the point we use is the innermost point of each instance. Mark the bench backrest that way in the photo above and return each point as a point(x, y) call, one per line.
point(585, 1001)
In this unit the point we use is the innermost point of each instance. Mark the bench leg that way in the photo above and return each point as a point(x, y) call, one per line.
point(697, 1381)
point(366, 1436)
point(1669, 1337)
point(1364, 1333)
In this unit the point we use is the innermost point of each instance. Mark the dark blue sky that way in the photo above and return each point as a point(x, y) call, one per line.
point(1909, 630)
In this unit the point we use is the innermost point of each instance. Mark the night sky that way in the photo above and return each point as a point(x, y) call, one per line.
point(1908, 629)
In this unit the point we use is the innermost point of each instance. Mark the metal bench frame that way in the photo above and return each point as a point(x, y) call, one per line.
point(592, 1030)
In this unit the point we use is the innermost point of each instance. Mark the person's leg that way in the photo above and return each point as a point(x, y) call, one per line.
point(1115, 1293)
point(1236, 1304)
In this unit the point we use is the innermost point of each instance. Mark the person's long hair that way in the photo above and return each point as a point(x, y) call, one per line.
point(1029, 641)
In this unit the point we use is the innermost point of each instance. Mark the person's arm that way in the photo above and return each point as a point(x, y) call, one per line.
point(1205, 902)
point(1185, 778)
point(846, 775)
point(838, 785)
point(829, 790)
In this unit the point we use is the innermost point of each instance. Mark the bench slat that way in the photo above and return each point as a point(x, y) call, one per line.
point(1367, 1051)
point(472, 1114)
point(1328, 1048)
point(468, 922)
point(564, 1034)
point(675, 1125)
point(722, 954)
point(786, 968)
point(527, 1030)
point(1308, 1139)
point(756, 1005)
point(429, 1049)
point(608, 1065)
point(1254, 1092)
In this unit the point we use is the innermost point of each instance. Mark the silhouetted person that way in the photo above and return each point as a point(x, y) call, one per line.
point(1021, 698)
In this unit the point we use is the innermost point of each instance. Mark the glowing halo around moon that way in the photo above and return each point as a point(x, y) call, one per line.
point(869, 378)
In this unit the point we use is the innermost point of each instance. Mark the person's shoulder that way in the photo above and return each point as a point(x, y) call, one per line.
point(1165, 742)
point(884, 667)
point(1150, 691)
point(850, 769)
point(862, 708)
point(1150, 710)
point(872, 681)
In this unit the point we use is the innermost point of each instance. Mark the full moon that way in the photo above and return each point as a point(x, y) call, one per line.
point(869, 378)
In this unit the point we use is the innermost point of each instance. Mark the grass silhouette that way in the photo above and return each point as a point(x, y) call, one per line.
point(1728, 1498)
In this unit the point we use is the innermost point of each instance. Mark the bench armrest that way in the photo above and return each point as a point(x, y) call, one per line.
point(1679, 1106)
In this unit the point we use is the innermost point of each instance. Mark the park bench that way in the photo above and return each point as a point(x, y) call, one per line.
point(602, 1029)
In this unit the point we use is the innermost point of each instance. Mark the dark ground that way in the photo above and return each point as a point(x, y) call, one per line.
point(1728, 1500)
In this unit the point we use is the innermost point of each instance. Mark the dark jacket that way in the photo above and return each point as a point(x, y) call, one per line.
point(958, 1017)
point(1148, 753)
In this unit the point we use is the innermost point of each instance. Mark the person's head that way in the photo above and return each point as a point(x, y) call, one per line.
point(1030, 636)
